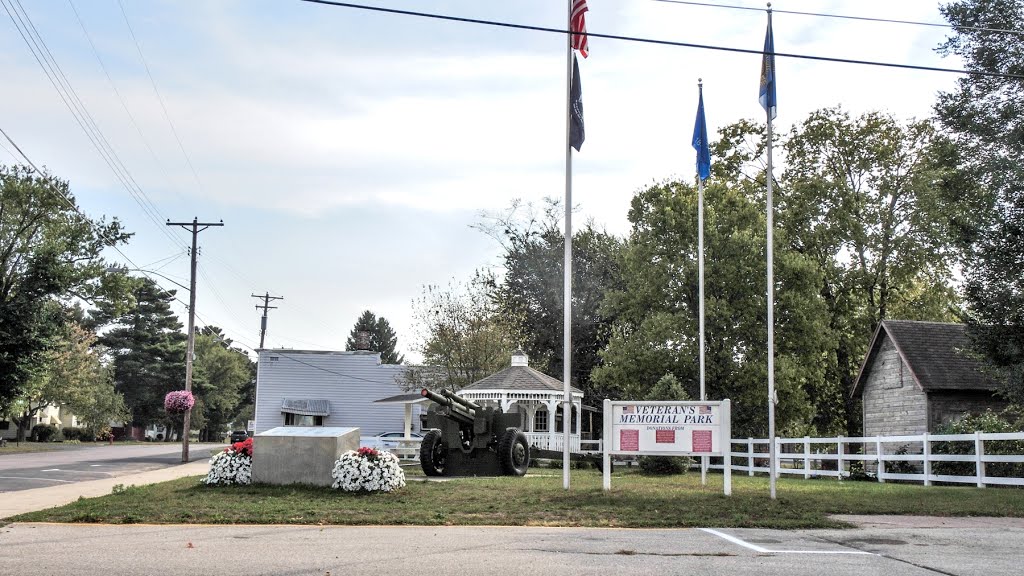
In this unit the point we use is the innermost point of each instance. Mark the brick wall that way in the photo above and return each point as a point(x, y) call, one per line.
point(893, 404)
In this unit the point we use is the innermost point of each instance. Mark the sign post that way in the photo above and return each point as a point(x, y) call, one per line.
point(667, 429)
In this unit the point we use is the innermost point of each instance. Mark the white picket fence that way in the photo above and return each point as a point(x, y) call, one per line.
point(810, 457)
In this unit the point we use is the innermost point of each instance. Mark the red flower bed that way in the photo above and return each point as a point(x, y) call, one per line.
point(243, 448)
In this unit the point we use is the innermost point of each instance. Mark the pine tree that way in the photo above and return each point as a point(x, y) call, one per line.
point(382, 338)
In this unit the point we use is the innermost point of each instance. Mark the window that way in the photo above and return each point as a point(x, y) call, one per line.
point(540, 421)
point(302, 420)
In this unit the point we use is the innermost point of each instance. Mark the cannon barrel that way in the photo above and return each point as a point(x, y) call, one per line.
point(469, 404)
point(456, 410)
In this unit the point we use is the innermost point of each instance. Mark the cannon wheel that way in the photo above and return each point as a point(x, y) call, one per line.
point(433, 453)
point(514, 452)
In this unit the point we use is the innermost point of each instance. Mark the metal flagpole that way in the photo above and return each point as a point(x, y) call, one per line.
point(700, 274)
point(772, 456)
point(567, 273)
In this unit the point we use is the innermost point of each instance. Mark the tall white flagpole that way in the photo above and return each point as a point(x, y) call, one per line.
point(772, 456)
point(700, 274)
point(567, 273)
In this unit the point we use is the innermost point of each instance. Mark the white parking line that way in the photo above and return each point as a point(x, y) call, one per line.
point(757, 548)
point(51, 470)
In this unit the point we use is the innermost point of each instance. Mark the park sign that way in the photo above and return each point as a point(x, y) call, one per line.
point(653, 428)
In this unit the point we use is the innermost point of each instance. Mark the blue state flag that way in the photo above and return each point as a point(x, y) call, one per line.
point(700, 140)
point(766, 96)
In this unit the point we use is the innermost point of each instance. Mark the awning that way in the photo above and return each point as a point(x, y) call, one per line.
point(306, 407)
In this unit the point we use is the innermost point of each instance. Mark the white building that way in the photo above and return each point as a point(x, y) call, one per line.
point(317, 388)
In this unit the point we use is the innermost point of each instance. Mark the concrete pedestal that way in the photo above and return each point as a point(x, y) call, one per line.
point(300, 454)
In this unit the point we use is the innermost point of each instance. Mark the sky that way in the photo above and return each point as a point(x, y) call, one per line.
point(350, 153)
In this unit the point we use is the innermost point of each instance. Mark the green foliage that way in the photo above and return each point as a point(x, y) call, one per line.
point(221, 381)
point(656, 326)
point(147, 347)
point(530, 294)
point(462, 339)
point(44, 432)
point(990, 422)
point(76, 434)
point(983, 115)
point(382, 337)
point(49, 256)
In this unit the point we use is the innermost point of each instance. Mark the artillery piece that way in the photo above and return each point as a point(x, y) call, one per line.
point(465, 438)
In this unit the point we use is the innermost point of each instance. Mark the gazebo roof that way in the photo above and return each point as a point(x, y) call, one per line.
point(519, 378)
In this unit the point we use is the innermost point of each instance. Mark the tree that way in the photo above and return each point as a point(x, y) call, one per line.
point(220, 380)
point(49, 256)
point(656, 328)
point(983, 114)
point(462, 339)
point(872, 201)
point(530, 294)
point(147, 348)
point(382, 338)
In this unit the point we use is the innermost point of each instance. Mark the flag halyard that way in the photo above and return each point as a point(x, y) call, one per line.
point(578, 27)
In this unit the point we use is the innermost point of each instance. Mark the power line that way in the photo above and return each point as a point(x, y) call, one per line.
point(641, 40)
point(842, 16)
point(160, 98)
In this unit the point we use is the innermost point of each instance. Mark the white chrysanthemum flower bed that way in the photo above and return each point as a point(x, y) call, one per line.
point(229, 467)
point(368, 471)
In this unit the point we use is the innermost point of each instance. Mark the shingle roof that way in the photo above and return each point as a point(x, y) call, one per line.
point(938, 355)
point(519, 378)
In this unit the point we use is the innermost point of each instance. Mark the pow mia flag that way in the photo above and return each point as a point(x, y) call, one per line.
point(576, 133)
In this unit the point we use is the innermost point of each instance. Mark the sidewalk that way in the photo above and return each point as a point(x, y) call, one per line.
point(22, 501)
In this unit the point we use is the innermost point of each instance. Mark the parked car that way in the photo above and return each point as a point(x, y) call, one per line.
point(239, 436)
point(391, 440)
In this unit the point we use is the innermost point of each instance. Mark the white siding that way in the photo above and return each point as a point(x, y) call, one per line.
point(351, 381)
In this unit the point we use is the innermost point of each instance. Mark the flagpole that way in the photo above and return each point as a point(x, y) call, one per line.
point(567, 273)
point(700, 274)
point(772, 456)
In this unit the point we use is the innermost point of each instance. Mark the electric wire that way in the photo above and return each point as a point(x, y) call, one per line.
point(43, 56)
point(843, 16)
point(167, 116)
point(641, 40)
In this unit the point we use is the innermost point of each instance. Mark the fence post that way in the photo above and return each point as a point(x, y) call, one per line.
point(807, 457)
point(927, 452)
point(979, 451)
point(750, 456)
point(839, 458)
point(778, 461)
point(881, 463)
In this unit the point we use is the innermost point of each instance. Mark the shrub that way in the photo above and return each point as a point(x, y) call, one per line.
point(72, 434)
point(968, 424)
point(44, 432)
point(664, 465)
point(368, 470)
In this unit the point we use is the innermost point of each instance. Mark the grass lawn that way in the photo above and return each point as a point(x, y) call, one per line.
point(538, 500)
point(25, 447)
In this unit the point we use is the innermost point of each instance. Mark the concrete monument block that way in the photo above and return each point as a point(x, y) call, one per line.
point(300, 454)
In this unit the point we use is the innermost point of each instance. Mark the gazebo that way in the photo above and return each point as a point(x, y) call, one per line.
point(520, 388)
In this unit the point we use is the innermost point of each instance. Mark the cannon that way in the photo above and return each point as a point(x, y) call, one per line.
point(463, 439)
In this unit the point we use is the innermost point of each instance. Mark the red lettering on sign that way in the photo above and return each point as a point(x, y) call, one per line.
point(701, 440)
point(629, 440)
point(665, 436)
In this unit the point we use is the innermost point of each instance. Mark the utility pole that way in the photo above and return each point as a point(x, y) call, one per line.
point(266, 306)
point(194, 227)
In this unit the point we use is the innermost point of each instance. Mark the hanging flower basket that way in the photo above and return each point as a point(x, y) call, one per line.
point(179, 402)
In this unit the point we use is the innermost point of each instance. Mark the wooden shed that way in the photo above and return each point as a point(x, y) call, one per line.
point(918, 376)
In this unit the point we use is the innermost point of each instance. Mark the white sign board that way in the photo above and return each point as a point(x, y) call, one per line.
point(667, 429)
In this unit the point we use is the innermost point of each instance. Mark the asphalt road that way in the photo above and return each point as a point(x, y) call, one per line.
point(42, 469)
point(325, 551)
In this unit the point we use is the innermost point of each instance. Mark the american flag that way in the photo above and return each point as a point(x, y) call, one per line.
point(629, 409)
point(578, 25)
point(704, 410)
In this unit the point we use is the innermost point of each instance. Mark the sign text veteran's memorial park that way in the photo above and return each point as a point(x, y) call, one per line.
point(666, 429)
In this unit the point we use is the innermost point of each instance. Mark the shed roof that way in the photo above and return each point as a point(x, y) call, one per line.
point(519, 378)
point(938, 355)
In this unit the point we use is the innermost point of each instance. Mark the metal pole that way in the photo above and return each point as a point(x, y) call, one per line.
point(771, 308)
point(567, 274)
point(700, 274)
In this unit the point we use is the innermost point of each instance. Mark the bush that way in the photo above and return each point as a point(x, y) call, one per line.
point(969, 424)
point(44, 432)
point(72, 434)
point(231, 466)
point(664, 465)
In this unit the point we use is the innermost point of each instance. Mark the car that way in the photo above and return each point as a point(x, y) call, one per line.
point(239, 436)
point(393, 440)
